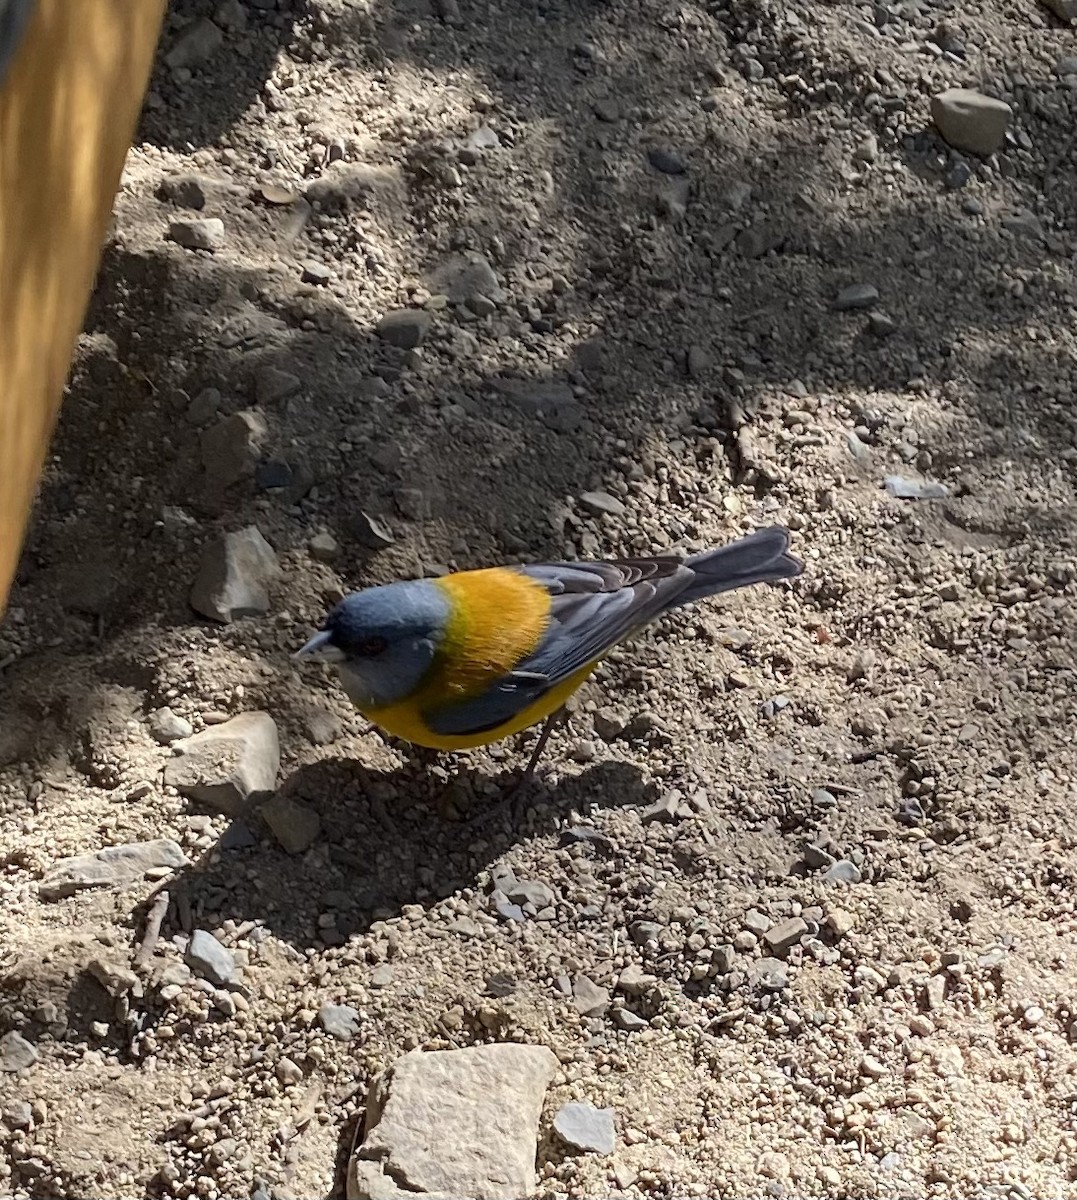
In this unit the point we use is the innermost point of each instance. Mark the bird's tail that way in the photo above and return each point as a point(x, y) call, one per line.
point(761, 557)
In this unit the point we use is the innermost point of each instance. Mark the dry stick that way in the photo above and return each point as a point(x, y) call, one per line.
point(153, 929)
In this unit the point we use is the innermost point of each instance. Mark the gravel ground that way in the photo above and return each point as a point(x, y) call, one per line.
point(793, 895)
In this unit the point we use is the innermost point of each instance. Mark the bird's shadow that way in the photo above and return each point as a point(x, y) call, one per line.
point(387, 839)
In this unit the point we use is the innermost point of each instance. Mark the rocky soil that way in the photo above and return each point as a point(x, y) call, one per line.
point(402, 287)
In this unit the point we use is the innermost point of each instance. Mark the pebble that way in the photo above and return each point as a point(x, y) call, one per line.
point(229, 765)
point(872, 1067)
point(405, 328)
point(293, 824)
point(231, 449)
point(455, 1123)
point(16, 1053)
point(110, 866)
point(770, 974)
point(667, 161)
point(586, 1128)
point(843, 871)
point(781, 938)
point(856, 296)
point(531, 891)
point(971, 121)
point(467, 278)
point(1033, 1015)
point(588, 998)
point(316, 273)
point(629, 1021)
point(17, 1114)
point(324, 548)
point(166, 726)
point(371, 532)
point(197, 233)
point(602, 504)
point(234, 576)
point(288, 1072)
point(902, 488)
point(208, 959)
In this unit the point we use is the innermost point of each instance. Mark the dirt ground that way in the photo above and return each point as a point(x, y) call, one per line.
point(667, 200)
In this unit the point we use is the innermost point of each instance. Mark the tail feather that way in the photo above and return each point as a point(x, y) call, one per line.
point(761, 557)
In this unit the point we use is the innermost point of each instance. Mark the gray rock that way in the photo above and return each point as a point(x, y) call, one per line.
point(272, 385)
point(454, 1123)
point(110, 866)
point(724, 958)
point(770, 974)
point(405, 328)
point(531, 891)
point(167, 726)
point(554, 404)
point(198, 42)
point(881, 324)
point(757, 922)
point(373, 533)
point(339, 1020)
point(584, 1127)
point(602, 503)
point(16, 1053)
point(634, 981)
point(843, 871)
point(915, 489)
point(781, 938)
point(234, 576)
point(18, 1114)
point(324, 547)
point(588, 998)
point(1065, 10)
point(465, 278)
point(629, 1021)
point(197, 233)
point(856, 296)
point(315, 272)
point(293, 824)
point(227, 766)
point(669, 162)
point(208, 959)
point(971, 121)
point(232, 448)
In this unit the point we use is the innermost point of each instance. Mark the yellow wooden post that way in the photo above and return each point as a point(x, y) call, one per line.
point(69, 103)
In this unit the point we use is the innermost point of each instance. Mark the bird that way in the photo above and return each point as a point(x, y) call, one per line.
point(472, 657)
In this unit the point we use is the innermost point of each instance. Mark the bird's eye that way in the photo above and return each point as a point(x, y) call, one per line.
point(369, 647)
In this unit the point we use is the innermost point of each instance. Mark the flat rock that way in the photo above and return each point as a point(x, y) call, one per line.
point(405, 328)
point(167, 726)
point(293, 824)
point(588, 998)
point(602, 503)
point(339, 1020)
point(108, 867)
point(584, 1127)
point(971, 121)
point(465, 278)
point(781, 938)
point(230, 765)
point(271, 385)
point(16, 1053)
point(234, 576)
point(232, 448)
point(453, 1123)
point(856, 296)
point(197, 233)
point(208, 959)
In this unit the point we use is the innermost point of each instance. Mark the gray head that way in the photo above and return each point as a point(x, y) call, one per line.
point(382, 640)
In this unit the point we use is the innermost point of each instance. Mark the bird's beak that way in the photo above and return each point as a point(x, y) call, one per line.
point(321, 649)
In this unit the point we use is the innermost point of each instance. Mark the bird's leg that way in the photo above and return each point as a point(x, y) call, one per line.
point(560, 717)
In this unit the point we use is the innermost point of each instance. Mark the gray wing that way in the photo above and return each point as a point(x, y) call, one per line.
point(593, 606)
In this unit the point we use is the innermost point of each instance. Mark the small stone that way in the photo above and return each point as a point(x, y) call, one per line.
point(293, 824)
point(588, 998)
point(17, 1114)
point(607, 109)
point(315, 272)
point(1067, 65)
point(856, 296)
point(667, 161)
point(773, 1165)
point(117, 980)
point(840, 922)
point(770, 974)
point(724, 958)
point(197, 233)
point(782, 937)
point(1033, 1015)
point(501, 985)
point(665, 809)
point(466, 278)
point(935, 993)
point(454, 1123)
point(405, 328)
point(584, 1127)
point(373, 533)
point(112, 865)
point(208, 959)
point(629, 1021)
point(634, 981)
point(167, 726)
point(880, 323)
point(234, 576)
point(921, 1025)
point(272, 385)
point(533, 892)
point(843, 871)
point(872, 1068)
point(602, 503)
point(16, 1053)
point(971, 121)
point(756, 923)
point(288, 1072)
point(198, 42)
point(381, 976)
point(229, 765)
point(232, 447)
point(861, 666)
point(324, 547)
point(339, 1020)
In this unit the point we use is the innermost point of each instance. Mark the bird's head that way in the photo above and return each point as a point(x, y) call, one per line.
point(382, 640)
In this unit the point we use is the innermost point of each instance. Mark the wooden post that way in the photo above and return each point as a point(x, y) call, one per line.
point(69, 103)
